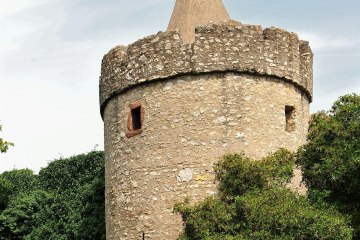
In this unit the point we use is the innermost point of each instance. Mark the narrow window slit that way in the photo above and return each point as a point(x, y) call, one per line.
point(290, 118)
point(135, 119)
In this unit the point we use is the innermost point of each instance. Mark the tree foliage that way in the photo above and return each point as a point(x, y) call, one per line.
point(254, 204)
point(5, 191)
point(4, 145)
point(65, 201)
point(331, 158)
point(72, 173)
point(22, 181)
point(238, 174)
point(19, 219)
point(14, 182)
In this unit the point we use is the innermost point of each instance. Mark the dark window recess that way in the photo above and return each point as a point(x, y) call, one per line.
point(290, 118)
point(136, 118)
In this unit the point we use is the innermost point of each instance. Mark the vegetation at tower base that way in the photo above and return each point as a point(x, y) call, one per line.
point(254, 204)
point(65, 201)
point(331, 158)
point(4, 145)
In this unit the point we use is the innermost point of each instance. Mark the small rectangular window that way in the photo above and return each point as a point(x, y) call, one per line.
point(290, 118)
point(135, 119)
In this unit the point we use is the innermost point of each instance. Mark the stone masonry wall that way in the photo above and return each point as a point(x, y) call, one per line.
point(189, 122)
point(218, 47)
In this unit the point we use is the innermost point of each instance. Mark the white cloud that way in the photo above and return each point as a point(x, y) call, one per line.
point(10, 7)
point(46, 121)
point(49, 104)
point(322, 42)
point(12, 38)
point(325, 101)
point(49, 87)
point(24, 23)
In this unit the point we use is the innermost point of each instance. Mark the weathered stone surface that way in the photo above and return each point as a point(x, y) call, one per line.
point(145, 174)
point(205, 90)
point(218, 47)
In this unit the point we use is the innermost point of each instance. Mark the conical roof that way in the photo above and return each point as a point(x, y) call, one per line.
point(188, 14)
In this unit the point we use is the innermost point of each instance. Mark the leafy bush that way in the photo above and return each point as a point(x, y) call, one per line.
point(15, 182)
point(66, 201)
point(5, 191)
point(21, 181)
point(92, 225)
point(331, 158)
point(72, 173)
point(210, 217)
point(279, 213)
point(238, 174)
point(17, 220)
point(4, 145)
point(254, 204)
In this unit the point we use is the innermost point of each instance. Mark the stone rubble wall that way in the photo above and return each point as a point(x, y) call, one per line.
point(218, 47)
point(226, 92)
point(189, 123)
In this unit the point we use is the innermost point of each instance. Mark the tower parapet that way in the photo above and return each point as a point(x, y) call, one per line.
point(218, 47)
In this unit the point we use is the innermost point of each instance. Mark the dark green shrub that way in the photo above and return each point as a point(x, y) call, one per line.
point(279, 213)
point(17, 220)
point(5, 191)
point(92, 225)
point(209, 218)
point(71, 173)
point(254, 204)
point(331, 158)
point(238, 174)
point(56, 218)
point(66, 201)
point(22, 181)
point(15, 182)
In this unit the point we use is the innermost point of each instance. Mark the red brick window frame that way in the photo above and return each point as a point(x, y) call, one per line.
point(135, 119)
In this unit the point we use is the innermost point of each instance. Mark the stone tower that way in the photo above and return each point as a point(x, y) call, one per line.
point(174, 102)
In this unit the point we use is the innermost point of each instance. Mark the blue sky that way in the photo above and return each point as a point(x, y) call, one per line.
point(51, 51)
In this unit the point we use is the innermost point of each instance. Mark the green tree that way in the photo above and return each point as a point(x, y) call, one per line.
point(254, 204)
point(5, 191)
point(66, 200)
point(15, 182)
point(331, 158)
point(21, 181)
point(238, 174)
point(4, 145)
point(72, 173)
point(18, 220)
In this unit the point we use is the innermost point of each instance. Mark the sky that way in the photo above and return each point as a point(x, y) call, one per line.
point(51, 51)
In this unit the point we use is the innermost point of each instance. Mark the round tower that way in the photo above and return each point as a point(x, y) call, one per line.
point(174, 102)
